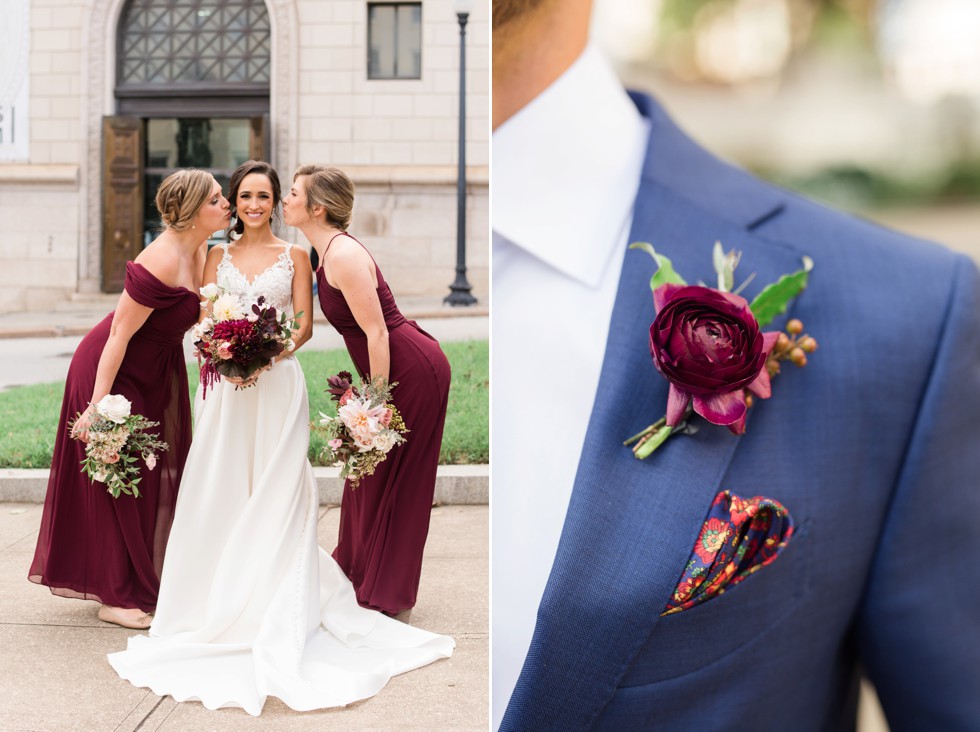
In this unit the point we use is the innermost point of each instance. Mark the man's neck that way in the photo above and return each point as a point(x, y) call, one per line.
point(531, 52)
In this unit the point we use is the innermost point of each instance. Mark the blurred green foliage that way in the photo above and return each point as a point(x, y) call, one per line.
point(856, 188)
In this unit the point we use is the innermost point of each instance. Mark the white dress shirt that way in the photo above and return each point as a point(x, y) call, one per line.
point(565, 174)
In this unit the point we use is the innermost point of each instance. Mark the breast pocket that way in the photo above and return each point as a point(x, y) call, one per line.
point(686, 641)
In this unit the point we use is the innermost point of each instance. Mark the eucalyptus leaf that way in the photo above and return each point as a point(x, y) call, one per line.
point(665, 269)
point(725, 265)
point(774, 298)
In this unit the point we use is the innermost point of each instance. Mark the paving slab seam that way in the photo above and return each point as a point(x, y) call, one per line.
point(150, 714)
point(169, 706)
point(119, 727)
point(60, 625)
point(3, 549)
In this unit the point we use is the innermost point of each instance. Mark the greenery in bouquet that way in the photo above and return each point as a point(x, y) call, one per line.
point(366, 428)
point(117, 441)
point(236, 341)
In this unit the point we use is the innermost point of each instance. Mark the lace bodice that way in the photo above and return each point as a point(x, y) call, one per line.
point(276, 282)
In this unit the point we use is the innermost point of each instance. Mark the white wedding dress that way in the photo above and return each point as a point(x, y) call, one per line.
point(250, 605)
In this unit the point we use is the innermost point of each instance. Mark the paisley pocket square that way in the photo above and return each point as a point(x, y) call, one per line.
point(740, 536)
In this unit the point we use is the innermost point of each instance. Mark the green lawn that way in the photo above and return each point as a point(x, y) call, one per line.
point(29, 414)
point(28, 420)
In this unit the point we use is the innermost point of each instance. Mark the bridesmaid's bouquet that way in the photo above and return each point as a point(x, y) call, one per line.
point(236, 340)
point(117, 439)
point(365, 429)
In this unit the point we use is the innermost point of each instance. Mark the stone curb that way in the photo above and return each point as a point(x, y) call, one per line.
point(456, 485)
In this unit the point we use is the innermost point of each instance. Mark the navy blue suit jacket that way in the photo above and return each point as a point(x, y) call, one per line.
point(874, 448)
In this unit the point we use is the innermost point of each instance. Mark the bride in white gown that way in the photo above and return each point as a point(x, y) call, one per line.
point(250, 605)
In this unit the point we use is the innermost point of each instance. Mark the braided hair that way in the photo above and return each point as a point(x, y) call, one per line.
point(181, 195)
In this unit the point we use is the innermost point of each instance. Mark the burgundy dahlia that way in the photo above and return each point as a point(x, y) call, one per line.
point(708, 345)
point(245, 342)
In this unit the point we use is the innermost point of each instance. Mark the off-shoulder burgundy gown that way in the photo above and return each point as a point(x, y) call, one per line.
point(385, 520)
point(93, 546)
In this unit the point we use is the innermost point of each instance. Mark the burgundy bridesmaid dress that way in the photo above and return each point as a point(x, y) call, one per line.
point(93, 546)
point(385, 520)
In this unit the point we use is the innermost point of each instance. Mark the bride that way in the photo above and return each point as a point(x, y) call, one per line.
point(249, 604)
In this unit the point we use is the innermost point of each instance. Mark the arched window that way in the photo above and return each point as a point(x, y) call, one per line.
point(192, 90)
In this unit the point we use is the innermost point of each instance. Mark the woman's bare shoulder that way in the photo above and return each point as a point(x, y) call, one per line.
point(161, 259)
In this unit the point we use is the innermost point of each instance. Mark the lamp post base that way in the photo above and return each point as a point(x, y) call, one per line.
point(459, 295)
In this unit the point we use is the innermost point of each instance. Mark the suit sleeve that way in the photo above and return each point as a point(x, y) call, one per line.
point(918, 628)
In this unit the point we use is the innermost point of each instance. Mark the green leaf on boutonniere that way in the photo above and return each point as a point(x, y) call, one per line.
point(775, 297)
point(665, 269)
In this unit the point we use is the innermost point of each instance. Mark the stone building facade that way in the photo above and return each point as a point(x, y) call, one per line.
point(370, 87)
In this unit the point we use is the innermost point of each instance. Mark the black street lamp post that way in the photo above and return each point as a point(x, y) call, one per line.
point(460, 289)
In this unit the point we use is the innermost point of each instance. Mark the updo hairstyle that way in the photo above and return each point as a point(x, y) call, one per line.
point(247, 168)
point(181, 195)
point(330, 188)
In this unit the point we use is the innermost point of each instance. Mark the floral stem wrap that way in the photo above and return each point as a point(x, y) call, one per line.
point(740, 536)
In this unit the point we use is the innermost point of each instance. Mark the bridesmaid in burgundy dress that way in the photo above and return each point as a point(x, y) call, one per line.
point(384, 522)
point(92, 546)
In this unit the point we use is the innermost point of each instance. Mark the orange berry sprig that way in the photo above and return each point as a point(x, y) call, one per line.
point(792, 346)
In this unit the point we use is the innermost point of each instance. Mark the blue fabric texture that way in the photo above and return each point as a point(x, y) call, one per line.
point(874, 448)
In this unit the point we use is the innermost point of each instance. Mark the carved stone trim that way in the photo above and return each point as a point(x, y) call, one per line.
point(28, 174)
point(98, 52)
point(284, 85)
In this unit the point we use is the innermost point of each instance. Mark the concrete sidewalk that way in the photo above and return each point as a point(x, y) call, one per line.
point(54, 675)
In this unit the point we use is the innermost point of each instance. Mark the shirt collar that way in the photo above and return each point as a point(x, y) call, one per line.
point(566, 169)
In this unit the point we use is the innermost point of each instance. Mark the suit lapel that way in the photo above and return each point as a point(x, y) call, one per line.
point(631, 524)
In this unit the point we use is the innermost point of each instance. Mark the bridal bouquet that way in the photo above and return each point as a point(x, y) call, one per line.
point(365, 429)
point(236, 340)
point(117, 439)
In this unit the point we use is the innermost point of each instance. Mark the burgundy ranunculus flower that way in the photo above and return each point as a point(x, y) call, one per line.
point(708, 345)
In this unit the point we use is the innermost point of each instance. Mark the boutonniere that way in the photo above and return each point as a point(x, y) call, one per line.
point(709, 345)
